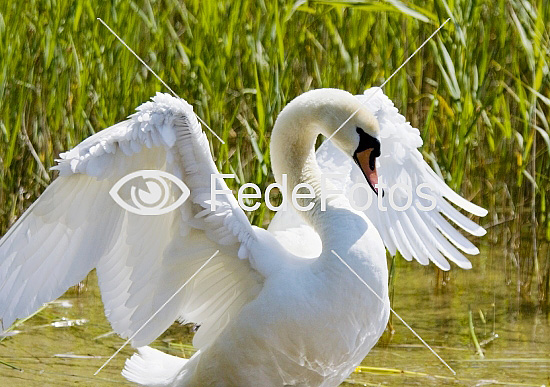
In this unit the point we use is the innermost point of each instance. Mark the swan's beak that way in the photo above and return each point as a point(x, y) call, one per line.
point(367, 162)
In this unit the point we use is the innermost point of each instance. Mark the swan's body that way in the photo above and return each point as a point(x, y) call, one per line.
point(310, 325)
point(269, 315)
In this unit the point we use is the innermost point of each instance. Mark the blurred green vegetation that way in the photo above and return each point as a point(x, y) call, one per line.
point(479, 91)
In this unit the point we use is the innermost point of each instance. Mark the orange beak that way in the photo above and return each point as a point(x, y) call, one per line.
point(367, 162)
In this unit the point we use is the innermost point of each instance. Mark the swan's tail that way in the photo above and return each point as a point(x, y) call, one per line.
point(151, 367)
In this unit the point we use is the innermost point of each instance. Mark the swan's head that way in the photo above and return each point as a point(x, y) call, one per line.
point(341, 117)
point(337, 115)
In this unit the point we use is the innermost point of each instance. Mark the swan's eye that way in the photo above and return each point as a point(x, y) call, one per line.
point(366, 141)
point(149, 192)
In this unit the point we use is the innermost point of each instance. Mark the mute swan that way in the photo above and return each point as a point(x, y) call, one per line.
point(268, 315)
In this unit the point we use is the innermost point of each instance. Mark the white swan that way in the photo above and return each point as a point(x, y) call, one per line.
point(268, 315)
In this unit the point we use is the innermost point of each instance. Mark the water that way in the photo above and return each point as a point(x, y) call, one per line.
point(519, 355)
point(69, 353)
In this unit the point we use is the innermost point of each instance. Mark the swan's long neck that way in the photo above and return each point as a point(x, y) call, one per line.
point(293, 154)
point(293, 139)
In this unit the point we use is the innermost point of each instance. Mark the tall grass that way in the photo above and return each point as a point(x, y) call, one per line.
point(479, 92)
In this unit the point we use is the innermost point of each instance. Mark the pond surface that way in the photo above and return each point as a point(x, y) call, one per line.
point(68, 341)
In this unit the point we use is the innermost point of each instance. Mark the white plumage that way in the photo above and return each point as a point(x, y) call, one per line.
point(268, 315)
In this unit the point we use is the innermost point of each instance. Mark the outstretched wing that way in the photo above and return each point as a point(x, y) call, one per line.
point(141, 261)
point(425, 235)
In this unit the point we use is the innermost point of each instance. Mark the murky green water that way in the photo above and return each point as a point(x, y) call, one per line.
point(62, 355)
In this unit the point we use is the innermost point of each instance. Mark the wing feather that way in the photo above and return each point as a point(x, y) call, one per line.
point(141, 261)
point(415, 233)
